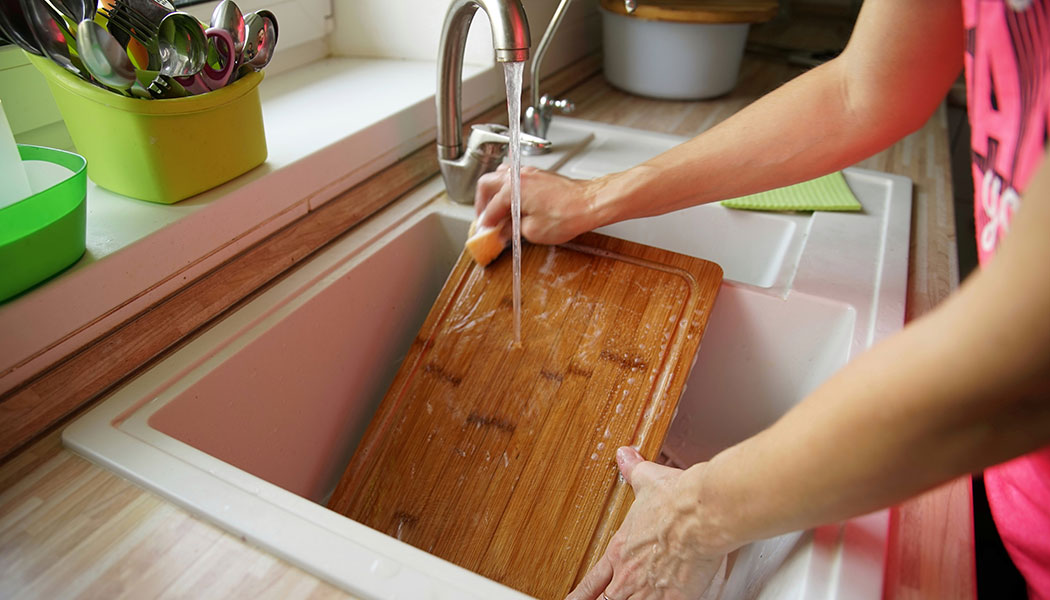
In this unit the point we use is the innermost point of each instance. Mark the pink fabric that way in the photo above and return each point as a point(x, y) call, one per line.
point(1019, 497)
point(1008, 95)
point(1008, 90)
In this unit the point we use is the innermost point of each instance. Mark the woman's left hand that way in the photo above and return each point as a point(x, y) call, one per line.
point(664, 549)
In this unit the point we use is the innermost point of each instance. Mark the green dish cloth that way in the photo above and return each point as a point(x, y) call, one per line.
point(830, 192)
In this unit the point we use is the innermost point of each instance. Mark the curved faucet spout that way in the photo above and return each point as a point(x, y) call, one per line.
point(510, 38)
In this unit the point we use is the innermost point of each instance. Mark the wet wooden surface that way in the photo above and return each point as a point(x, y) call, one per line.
point(500, 457)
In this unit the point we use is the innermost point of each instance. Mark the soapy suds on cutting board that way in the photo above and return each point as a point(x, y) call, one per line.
point(512, 73)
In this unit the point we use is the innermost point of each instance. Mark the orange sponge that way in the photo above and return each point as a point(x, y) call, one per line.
point(484, 243)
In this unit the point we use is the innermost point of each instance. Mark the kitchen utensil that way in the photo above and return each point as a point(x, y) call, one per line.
point(140, 87)
point(151, 11)
point(137, 34)
point(182, 45)
point(227, 15)
point(76, 10)
point(209, 79)
point(136, 23)
point(501, 459)
point(53, 36)
point(260, 39)
point(15, 27)
point(266, 14)
point(166, 87)
point(160, 5)
point(104, 57)
point(175, 40)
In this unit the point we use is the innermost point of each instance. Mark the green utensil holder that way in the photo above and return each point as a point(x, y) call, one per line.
point(44, 233)
point(161, 150)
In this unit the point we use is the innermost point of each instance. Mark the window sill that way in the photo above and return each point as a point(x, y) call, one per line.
point(329, 125)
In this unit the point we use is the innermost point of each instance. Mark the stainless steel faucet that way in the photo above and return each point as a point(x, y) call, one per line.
point(538, 116)
point(487, 144)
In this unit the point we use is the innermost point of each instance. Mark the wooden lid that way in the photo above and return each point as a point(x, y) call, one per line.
point(698, 11)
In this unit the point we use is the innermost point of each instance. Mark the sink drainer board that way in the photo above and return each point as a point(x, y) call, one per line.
point(501, 459)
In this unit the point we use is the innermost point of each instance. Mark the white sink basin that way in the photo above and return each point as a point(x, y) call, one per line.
point(251, 423)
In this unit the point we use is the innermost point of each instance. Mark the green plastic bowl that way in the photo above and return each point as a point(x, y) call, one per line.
point(46, 232)
point(161, 150)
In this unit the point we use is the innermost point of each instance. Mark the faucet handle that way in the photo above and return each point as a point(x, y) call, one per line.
point(492, 140)
point(486, 147)
point(564, 105)
point(537, 119)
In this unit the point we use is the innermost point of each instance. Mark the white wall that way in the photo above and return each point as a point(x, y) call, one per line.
point(411, 29)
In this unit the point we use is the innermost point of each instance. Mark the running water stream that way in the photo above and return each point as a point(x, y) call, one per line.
point(512, 71)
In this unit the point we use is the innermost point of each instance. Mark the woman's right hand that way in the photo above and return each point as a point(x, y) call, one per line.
point(554, 209)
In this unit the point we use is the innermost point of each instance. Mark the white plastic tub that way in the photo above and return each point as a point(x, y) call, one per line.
point(672, 60)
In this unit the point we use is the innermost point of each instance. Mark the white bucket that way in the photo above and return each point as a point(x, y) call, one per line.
point(672, 60)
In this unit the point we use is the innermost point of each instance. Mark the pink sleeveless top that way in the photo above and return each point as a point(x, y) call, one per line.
point(1008, 91)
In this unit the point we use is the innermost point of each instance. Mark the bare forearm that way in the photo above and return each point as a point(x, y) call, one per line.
point(899, 420)
point(966, 387)
point(745, 154)
point(826, 119)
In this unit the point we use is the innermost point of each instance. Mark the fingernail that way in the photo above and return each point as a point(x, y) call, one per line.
point(628, 454)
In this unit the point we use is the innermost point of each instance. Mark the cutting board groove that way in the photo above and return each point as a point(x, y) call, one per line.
point(502, 459)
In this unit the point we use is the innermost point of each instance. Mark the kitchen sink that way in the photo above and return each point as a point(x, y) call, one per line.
point(251, 423)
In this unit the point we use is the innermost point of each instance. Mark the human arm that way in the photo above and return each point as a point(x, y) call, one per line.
point(963, 388)
point(875, 92)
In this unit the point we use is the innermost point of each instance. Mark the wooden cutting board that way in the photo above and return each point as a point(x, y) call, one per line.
point(502, 459)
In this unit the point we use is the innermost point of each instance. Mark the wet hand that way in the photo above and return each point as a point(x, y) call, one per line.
point(554, 209)
point(663, 548)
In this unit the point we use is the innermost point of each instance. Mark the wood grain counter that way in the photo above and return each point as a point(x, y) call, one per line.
point(71, 529)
